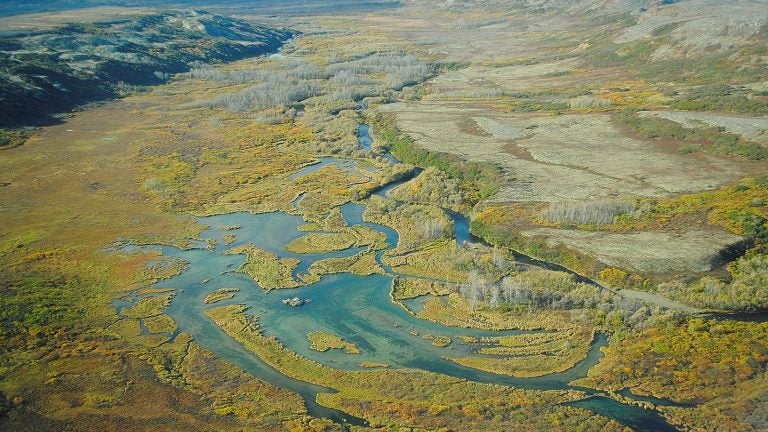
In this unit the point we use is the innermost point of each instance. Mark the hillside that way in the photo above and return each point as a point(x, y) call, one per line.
point(293, 7)
point(45, 71)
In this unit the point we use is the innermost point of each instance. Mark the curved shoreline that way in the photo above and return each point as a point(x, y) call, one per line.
point(188, 314)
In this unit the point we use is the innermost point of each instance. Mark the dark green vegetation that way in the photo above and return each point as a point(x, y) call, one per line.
point(720, 97)
point(55, 70)
point(10, 138)
point(478, 180)
point(712, 139)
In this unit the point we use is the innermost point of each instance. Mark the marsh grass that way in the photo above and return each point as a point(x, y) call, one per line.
point(324, 341)
point(531, 355)
point(220, 295)
point(391, 397)
point(269, 271)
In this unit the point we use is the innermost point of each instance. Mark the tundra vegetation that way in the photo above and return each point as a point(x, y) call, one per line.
point(708, 364)
point(345, 238)
point(534, 109)
point(566, 131)
point(363, 264)
point(269, 271)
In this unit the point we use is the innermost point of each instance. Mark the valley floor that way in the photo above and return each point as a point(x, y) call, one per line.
point(515, 239)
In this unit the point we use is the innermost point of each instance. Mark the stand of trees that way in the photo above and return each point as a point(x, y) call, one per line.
point(587, 212)
point(290, 82)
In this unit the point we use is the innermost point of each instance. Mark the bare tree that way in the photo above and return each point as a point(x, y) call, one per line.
point(431, 228)
point(590, 212)
point(474, 289)
point(498, 260)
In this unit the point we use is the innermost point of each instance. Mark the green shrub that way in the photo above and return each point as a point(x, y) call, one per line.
point(36, 307)
point(10, 138)
point(689, 148)
point(718, 141)
point(478, 180)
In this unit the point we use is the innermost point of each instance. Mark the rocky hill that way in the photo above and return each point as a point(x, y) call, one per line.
point(52, 70)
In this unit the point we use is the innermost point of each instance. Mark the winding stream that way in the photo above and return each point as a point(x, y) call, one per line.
point(357, 308)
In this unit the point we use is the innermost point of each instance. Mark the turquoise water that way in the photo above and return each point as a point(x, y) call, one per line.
point(357, 308)
point(625, 414)
point(460, 228)
point(364, 137)
point(366, 141)
point(347, 165)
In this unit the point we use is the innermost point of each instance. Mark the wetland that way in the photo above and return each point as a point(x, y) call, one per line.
point(420, 215)
point(358, 308)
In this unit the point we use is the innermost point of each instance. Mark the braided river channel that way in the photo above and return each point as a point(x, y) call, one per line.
point(359, 309)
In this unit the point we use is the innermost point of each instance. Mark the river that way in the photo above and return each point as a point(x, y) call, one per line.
point(357, 308)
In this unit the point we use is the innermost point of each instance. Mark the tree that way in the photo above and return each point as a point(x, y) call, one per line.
point(474, 289)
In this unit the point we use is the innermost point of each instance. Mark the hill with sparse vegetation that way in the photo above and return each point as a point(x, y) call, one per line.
point(54, 70)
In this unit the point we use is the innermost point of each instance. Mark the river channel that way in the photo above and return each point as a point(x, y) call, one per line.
point(357, 308)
